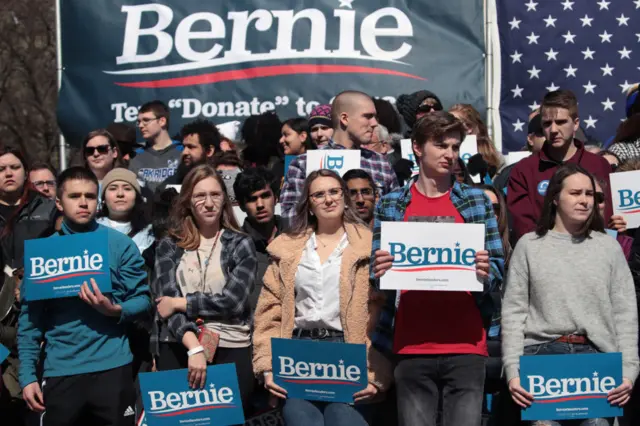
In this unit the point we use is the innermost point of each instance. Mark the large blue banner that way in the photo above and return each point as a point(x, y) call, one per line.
point(228, 60)
point(169, 401)
point(57, 267)
point(567, 387)
point(320, 371)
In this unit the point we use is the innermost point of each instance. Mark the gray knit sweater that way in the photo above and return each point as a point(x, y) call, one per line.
point(558, 285)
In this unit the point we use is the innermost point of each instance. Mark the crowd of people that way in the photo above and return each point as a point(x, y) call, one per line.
point(219, 243)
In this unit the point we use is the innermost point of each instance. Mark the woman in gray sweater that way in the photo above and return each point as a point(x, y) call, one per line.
point(570, 289)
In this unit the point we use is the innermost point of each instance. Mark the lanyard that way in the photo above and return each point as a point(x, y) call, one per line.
point(203, 274)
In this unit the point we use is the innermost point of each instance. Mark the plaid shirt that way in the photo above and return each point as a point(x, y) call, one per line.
point(474, 207)
point(626, 150)
point(371, 162)
point(238, 262)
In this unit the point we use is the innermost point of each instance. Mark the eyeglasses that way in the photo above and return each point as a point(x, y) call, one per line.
point(201, 197)
point(145, 121)
point(41, 183)
point(365, 192)
point(102, 149)
point(496, 208)
point(321, 196)
point(599, 197)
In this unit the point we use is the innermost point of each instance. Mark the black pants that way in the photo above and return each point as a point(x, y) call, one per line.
point(173, 356)
point(421, 381)
point(106, 398)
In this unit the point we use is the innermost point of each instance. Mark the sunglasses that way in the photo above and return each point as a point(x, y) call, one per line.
point(496, 207)
point(102, 149)
point(429, 108)
point(599, 197)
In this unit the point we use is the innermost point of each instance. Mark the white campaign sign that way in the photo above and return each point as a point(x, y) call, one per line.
point(407, 153)
point(625, 191)
point(469, 148)
point(432, 256)
point(514, 157)
point(338, 160)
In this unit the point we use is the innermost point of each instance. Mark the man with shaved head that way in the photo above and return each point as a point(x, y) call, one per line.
point(353, 116)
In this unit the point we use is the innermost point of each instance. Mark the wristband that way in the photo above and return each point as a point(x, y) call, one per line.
point(195, 350)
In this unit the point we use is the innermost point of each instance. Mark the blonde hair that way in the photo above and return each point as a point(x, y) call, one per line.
point(471, 118)
point(183, 225)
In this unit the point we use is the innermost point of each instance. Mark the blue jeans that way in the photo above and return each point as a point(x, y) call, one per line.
point(300, 412)
point(559, 348)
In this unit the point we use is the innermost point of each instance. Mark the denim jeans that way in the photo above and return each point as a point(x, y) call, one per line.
point(559, 348)
point(422, 380)
point(300, 412)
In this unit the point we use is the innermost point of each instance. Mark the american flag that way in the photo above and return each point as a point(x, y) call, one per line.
point(591, 47)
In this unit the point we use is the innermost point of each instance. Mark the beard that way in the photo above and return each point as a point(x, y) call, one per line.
point(183, 169)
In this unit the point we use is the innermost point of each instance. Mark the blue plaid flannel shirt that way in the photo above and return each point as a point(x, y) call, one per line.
point(371, 162)
point(474, 207)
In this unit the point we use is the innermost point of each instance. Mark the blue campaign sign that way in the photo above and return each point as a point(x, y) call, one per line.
point(169, 401)
point(567, 387)
point(57, 267)
point(4, 353)
point(319, 371)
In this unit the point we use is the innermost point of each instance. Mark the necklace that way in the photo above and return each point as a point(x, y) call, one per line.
point(323, 244)
point(203, 274)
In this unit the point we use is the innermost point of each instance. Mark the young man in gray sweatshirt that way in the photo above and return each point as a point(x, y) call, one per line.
point(160, 159)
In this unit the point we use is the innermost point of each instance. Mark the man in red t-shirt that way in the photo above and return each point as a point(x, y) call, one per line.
point(438, 337)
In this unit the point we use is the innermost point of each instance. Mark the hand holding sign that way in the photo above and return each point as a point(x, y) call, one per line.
point(99, 301)
point(621, 395)
point(518, 394)
point(482, 264)
point(365, 394)
point(382, 263)
point(274, 390)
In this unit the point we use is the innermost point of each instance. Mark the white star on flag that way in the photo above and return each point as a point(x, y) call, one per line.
point(591, 122)
point(626, 85)
point(588, 54)
point(533, 38)
point(605, 36)
point(608, 104)
point(568, 37)
point(622, 20)
point(516, 57)
point(604, 4)
point(551, 54)
point(550, 21)
point(587, 21)
point(517, 92)
point(638, 35)
point(534, 106)
point(624, 53)
point(518, 125)
point(515, 23)
point(531, 6)
point(588, 88)
point(553, 87)
point(567, 5)
point(637, 3)
point(534, 72)
point(607, 70)
point(571, 71)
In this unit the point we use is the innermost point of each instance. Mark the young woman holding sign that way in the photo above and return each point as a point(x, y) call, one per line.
point(570, 289)
point(205, 270)
point(317, 288)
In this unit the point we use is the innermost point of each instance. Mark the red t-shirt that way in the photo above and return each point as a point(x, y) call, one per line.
point(437, 322)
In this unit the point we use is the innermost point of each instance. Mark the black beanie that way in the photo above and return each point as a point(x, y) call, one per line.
point(408, 105)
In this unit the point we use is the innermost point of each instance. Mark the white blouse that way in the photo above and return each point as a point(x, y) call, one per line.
point(317, 288)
